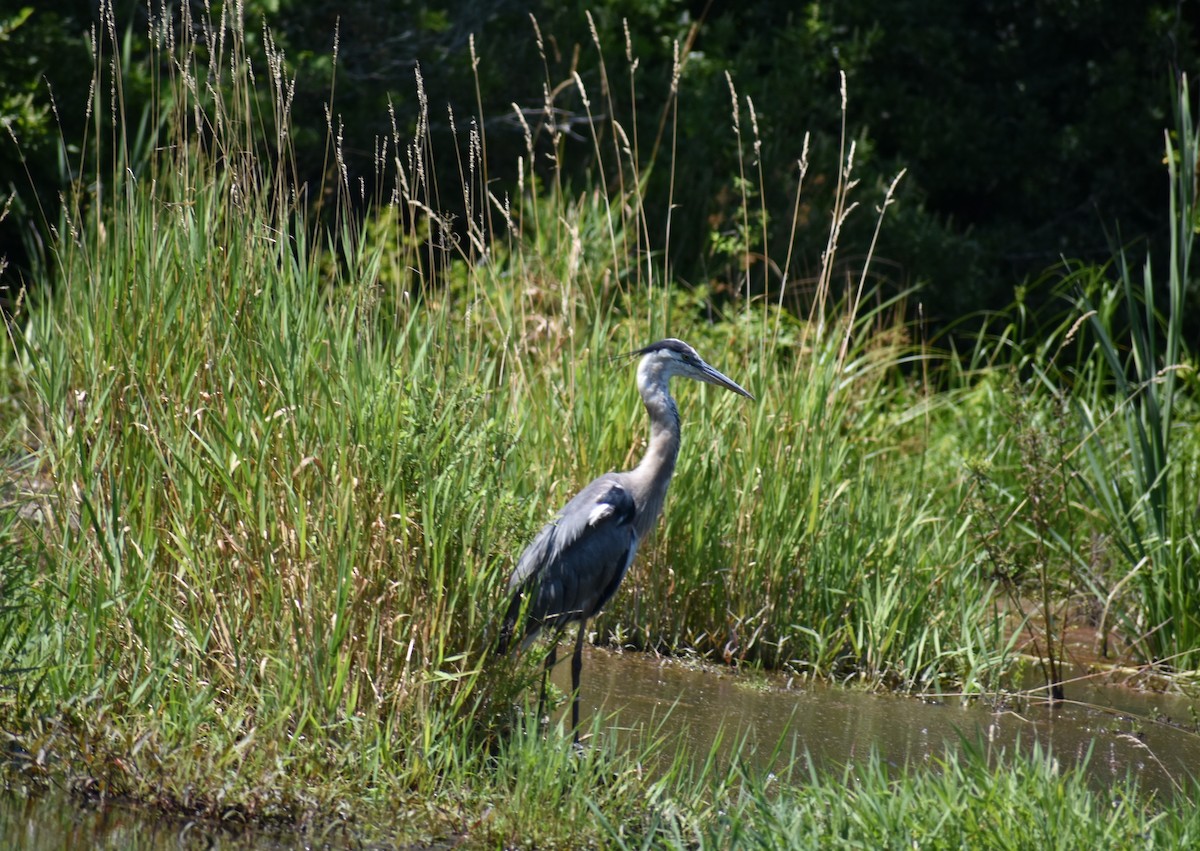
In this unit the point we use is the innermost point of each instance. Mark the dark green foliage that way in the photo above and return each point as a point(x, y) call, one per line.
point(35, 44)
point(47, 107)
point(1028, 128)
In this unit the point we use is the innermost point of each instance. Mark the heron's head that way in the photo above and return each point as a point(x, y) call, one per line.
point(671, 357)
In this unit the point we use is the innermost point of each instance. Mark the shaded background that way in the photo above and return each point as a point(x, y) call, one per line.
point(1031, 131)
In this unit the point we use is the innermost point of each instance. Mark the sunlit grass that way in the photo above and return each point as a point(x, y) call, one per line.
point(972, 800)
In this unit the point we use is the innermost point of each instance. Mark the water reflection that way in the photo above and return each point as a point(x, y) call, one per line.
point(1126, 732)
point(52, 821)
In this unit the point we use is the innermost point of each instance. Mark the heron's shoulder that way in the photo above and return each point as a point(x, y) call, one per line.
point(605, 503)
point(605, 499)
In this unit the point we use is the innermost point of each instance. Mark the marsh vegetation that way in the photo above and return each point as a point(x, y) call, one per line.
point(266, 473)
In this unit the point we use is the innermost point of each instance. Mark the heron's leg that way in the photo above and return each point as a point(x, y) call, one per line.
point(576, 668)
point(550, 662)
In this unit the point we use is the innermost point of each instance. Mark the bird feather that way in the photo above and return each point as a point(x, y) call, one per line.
point(577, 561)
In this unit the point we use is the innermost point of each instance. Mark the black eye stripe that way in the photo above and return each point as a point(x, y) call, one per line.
point(671, 345)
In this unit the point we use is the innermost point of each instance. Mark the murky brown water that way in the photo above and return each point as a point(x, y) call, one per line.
point(54, 821)
point(1126, 732)
point(1151, 736)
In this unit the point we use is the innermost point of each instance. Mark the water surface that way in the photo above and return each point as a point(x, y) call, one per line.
point(1118, 732)
point(1151, 736)
point(55, 821)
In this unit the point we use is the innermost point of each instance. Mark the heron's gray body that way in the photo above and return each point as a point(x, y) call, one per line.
point(577, 561)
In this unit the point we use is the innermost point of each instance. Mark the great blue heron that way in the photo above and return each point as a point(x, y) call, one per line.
point(577, 561)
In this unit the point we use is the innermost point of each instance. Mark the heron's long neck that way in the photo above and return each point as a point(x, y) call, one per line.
point(653, 474)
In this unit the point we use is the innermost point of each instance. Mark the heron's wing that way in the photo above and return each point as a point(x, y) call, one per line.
point(577, 561)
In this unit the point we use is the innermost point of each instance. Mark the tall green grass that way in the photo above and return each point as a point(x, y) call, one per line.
point(1103, 509)
point(1141, 472)
point(284, 469)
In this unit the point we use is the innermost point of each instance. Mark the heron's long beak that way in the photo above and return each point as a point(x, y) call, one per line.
point(707, 373)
